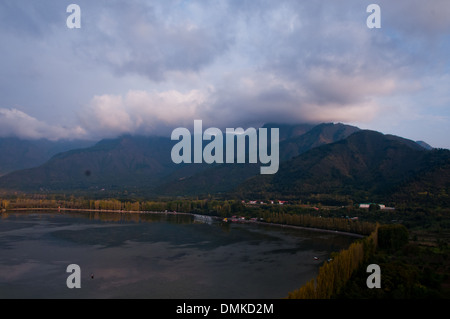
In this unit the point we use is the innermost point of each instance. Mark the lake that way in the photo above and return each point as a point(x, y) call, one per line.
point(155, 256)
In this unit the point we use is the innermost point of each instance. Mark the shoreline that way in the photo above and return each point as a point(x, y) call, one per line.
point(190, 214)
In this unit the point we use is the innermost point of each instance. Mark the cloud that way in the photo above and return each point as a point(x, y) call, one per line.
point(420, 19)
point(16, 123)
point(240, 100)
point(141, 112)
point(28, 19)
point(146, 67)
point(154, 39)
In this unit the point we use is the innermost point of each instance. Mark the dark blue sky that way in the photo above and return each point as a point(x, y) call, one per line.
point(149, 66)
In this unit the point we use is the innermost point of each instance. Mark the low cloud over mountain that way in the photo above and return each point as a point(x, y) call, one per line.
point(147, 67)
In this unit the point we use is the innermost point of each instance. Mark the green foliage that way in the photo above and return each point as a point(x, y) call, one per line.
point(408, 271)
point(412, 272)
point(392, 237)
point(308, 220)
point(334, 275)
point(295, 214)
point(365, 165)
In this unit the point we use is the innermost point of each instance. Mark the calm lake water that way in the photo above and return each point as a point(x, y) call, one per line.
point(155, 256)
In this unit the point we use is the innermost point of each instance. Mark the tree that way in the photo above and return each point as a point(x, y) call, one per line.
point(392, 237)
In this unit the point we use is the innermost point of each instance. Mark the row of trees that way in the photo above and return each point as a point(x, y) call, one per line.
point(209, 207)
point(331, 223)
point(296, 215)
point(333, 275)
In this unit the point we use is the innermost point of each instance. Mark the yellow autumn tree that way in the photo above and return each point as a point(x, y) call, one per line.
point(334, 274)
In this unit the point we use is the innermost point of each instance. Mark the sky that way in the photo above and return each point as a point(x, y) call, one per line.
point(146, 67)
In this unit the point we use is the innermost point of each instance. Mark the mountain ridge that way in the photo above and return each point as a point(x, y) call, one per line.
point(17, 153)
point(367, 164)
point(142, 165)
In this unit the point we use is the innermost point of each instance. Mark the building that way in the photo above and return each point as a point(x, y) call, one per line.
point(381, 206)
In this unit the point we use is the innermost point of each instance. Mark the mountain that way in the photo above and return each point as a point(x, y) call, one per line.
point(367, 165)
point(318, 135)
point(16, 154)
point(143, 164)
point(330, 159)
point(294, 140)
point(111, 164)
point(428, 188)
point(288, 131)
point(424, 145)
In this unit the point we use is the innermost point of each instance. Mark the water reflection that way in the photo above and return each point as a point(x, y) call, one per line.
point(155, 256)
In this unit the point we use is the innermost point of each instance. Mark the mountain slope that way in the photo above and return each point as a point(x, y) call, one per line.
point(331, 160)
point(319, 135)
point(115, 164)
point(294, 140)
point(143, 164)
point(366, 165)
point(16, 154)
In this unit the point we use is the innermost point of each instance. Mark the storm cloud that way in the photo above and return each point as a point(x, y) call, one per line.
point(146, 67)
